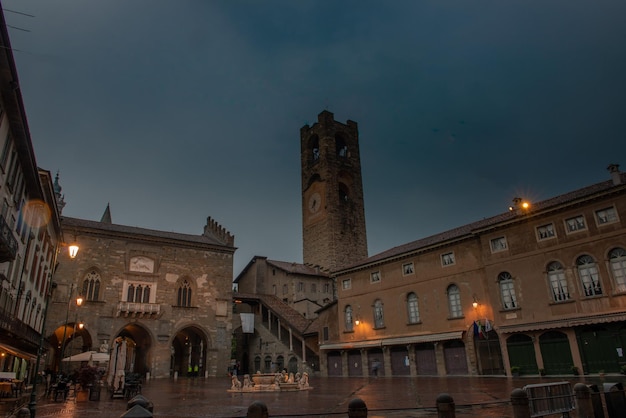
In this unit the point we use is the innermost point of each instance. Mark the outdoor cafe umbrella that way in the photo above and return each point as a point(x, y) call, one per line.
point(117, 365)
point(88, 356)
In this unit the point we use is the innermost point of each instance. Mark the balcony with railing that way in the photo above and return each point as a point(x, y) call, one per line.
point(8, 243)
point(140, 310)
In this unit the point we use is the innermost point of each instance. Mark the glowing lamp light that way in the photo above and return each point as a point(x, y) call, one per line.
point(525, 205)
point(357, 322)
point(79, 301)
point(73, 250)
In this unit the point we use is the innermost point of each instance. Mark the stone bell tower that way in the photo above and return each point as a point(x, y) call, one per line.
point(333, 213)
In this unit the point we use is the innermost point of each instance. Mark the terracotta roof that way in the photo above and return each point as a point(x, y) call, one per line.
point(470, 230)
point(69, 223)
point(297, 268)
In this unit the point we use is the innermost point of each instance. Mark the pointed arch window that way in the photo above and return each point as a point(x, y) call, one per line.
point(558, 283)
point(315, 148)
point(589, 276)
point(379, 318)
point(412, 308)
point(184, 294)
point(91, 285)
point(454, 301)
point(349, 318)
point(507, 290)
point(617, 260)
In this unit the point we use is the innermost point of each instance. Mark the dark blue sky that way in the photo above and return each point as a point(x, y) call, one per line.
point(175, 111)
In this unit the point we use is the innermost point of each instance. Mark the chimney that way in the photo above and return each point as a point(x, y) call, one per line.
point(616, 176)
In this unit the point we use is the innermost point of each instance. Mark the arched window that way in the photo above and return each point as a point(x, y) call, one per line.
point(507, 290)
point(348, 318)
point(184, 294)
point(589, 276)
point(379, 318)
point(617, 258)
point(454, 301)
point(412, 308)
point(342, 148)
point(315, 147)
point(558, 283)
point(91, 286)
point(130, 294)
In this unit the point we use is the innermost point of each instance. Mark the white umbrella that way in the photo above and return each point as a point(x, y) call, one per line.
point(85, 356)
point(115, 378)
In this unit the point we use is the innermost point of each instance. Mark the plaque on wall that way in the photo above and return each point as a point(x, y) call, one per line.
point(142, 264)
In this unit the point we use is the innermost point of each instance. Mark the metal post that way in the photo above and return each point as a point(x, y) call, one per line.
point(445, 406)
point(32, 405)
point(67, 314)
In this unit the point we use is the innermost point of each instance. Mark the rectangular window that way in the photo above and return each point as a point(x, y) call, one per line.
point(545, 232)
point(325, 334)
point(577, 223)
point(407, 269)
point(447, 259)
point(498, 244)
point(313, 287)
point(5, 152)
point(606, 216)
point(300, 287)
point(375, 277)
point(346, 284)
point(326, 288)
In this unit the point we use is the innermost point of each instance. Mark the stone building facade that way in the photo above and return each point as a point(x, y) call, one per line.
point(541, 288)
point(304, 288)
point(168, 295)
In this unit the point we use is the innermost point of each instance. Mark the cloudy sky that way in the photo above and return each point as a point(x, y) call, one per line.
point(172, 111)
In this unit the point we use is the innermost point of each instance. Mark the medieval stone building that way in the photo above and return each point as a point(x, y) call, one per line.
point(168, 295)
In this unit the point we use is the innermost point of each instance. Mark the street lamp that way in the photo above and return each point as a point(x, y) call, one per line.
point(79, 301)
point(32, 405)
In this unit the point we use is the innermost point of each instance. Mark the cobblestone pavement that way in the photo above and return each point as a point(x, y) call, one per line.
point(384, 397)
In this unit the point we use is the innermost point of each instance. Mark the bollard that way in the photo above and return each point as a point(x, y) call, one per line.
point(257, 409)
point(357, 408)
point(137, 412)
point(596, 401)
point(519, 401)
point(141, 401)
point(583, 400)
point(445, 406)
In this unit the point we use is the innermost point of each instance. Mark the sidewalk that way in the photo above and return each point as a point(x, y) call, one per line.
point(384, 397)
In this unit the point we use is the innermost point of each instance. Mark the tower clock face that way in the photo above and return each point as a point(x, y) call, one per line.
point(315, 202)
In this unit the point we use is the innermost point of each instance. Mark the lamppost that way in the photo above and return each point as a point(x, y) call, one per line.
point(79, 302)
point(32, 405)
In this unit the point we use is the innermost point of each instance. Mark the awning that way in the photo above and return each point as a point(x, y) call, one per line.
point(17, 352)
point(413, 339)
point(563, 323)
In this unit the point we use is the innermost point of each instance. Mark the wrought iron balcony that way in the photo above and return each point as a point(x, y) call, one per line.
point(136, 309)
point(8, 243)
